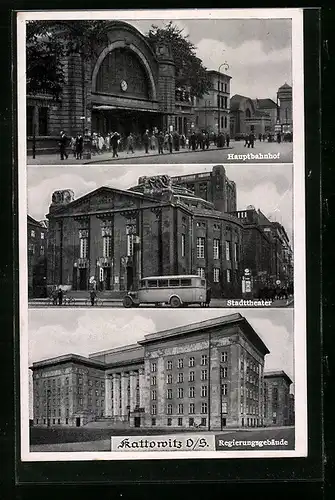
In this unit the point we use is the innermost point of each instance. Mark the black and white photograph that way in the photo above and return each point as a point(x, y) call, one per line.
point(173, 236)
point(217, 383)
point(161, 234)
point(159, 91)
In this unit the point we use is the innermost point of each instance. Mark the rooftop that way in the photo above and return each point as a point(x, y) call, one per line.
point(278, 373)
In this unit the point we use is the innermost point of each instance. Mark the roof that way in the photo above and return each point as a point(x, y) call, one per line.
point(120, 356)
point(286, 86)
point(265, 104)
point(278, 373)
point(236, 100)
point(215, 72)
point(34, 222)
point(230, 319)
point(66, 358)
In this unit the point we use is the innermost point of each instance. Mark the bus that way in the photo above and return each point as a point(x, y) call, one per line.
point(177, 291)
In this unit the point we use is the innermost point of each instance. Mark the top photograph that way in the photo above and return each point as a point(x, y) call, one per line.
point(162, 91)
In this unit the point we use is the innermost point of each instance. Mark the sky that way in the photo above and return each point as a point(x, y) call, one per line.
point(83, 332)
point(258, 51)
point(268, 188)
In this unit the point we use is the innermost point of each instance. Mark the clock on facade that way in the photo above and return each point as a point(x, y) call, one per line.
point(124, 85)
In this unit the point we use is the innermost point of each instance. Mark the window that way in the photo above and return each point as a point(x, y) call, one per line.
point(153, 409)
point(227, 250)
point(228, 276)
point(152, 283)
point(203, 374)
point(180, 408)
point(154, 380)
point(203, 421)
point(180, 392)
point(201, 272)
point(216, 248)
point(242, 409)
point(185, 282)
point(153, 395)
point(224, 372)
point(43, 120)
point(180, 378)
point(204, 359)
point(191, 361)
point(169, 379)
point(191, 422)
point(203, 407)
point(224, 390)
point(153, 367)
point(180, 363)
point(216, 275)
point(107, 247)
point(169, 365)
point(32, 233)
point(169, 422)
point(169, 409)
point(42, 236)
point(163, 283)
point(174, 282)
point(224, 407)
point(225, 118)
point(183, 245)
point(235, 252)
point(191, 377)
point(83, 248)
point(169, 394)
point(180, 421)
point(153, 421)
point(191, 392)
point(200, 248)
point(191, 408)
point(224, 357)
point(130, 232)
point(204, 391)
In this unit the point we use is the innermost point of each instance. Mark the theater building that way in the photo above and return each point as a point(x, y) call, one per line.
point(116, 237)
point(37, 236)
point(208, 374)
point(278, 408)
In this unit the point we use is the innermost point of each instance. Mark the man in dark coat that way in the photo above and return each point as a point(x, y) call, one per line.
point(160, 140)
point(227, 140)
point(79, 146)
point(251, 140)
point(193, 141)
point(115, 142)
point(63, 141)
point(60, 296)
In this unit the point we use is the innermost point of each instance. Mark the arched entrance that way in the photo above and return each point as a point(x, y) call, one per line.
point(123, 92)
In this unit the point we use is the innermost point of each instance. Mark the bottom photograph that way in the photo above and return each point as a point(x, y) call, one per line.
point(137, 382)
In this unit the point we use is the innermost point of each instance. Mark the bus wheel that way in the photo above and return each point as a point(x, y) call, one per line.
point(175, 302)
point(127, 302)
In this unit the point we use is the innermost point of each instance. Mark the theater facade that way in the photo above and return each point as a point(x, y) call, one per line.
point(114, 237)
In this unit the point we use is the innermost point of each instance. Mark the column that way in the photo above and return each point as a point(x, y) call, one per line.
point(133, 380)
point(142, 386)
point(108, 396)
point(124, 394)
point(116, 394)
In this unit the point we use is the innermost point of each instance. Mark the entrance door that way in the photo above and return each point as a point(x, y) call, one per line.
point(224, 422)
point(77, 421)
point(130, 277)
point(83, 279)
point(107, 278)
point(137, 421)
point(75, 279)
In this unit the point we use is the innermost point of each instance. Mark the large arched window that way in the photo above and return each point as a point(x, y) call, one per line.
point(121, 72)
point(248, 113)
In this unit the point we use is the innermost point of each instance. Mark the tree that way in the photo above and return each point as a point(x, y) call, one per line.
point(190, 71)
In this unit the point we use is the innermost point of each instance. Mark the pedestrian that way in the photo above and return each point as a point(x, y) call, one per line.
point(193, 141)
point(208, 296)
point(54, 296)
point(160, 143)
point(63, 142)
point(60, 296)
point(130, 143)
point(115, 143)
point(170, 142)
point(207, 140)
point(79, 146)
point(73, 146)
point(251, 140)
point(278, 138)
point(93, 296)
point(227, 140)
point(146, 140)
point(260, 137)
point(152, 142)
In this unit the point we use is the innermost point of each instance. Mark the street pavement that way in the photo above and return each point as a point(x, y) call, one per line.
point(280, 153)
point(89, 440)
point(215, 303)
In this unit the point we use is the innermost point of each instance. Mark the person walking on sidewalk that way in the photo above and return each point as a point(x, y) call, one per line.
point(63, 141)
point(227, 140)
point(93, 296)
point(115, 143)
point(160, 139)
point(79, 146)
point(130, 143)
point(60, 296)
point(146, 140)
point(170, 142)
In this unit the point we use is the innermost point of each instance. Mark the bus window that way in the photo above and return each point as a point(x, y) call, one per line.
point(203, 282)
point(186, 282)
point(142, 283)
point(174, 282)
point(163, 283)
point(152, 283)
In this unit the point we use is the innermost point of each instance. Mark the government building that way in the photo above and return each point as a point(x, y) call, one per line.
point(208, 374)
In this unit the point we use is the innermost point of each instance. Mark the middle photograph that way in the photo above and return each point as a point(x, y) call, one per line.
point(168, 236)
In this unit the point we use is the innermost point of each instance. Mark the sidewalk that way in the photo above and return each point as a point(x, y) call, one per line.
point(54, 159)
